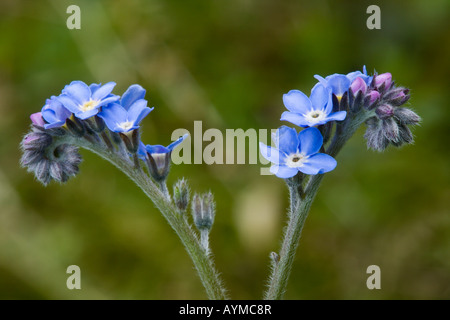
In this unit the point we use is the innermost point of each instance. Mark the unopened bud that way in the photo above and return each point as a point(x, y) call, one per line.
point(131, 140)
point(406, 116)
point(382, 81)
point(358, 85)
point(37, 120)
point(385, 111)
point(203, 211)
point(181, 194)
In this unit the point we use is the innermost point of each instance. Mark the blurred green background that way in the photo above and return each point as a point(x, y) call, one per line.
point(226, 63)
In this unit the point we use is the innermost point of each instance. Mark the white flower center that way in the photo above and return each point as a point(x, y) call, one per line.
point(89, 105)
point(315, 116)
point(125, 126)
point(296, 160)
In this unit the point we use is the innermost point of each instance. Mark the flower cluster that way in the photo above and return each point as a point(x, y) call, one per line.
point(93, 116)
point(346, 100)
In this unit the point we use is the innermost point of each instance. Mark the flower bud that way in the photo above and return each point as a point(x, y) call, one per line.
point(159, 165)
point(37, 120)
point(358, 85)
point(382, 81)
point(390, 129)
point(181, 194)
point(203, 211)
point(406, 116)
point(385, 111)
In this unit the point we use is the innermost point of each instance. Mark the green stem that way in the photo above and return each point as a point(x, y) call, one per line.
point(299, 208)
point(202, 261)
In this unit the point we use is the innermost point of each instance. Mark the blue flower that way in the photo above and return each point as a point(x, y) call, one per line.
point(312, 111)
point(340, 83)
point(158, 149)
point(297, 152)
point(85, 101)
point(127, 115)
point(158, 157)
point(54, 113)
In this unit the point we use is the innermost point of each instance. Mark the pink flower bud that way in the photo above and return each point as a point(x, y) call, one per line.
point(36, 119)
point(385, 78)
point(358, 85)
point(374, 95)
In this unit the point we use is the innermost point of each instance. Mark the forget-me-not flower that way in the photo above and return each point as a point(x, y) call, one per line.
point(85, 101)
point(297, 152)
point(54, 113)
point(312, 111)
point(158, 157)
point(127, 115)
point(340, 83)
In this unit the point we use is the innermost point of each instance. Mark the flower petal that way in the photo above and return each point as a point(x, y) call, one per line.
point(296, 101)
point(271, 154)
point(337, 116)
point(113, 115)
point(156, 149)
point(78, 90)
point(319, 97)
point(287, 140)
point(295, 118)
point(134, 92)
point(69, 103)
point(338, 84)
point(310, 141)
point(318, 163)
point(138, 111)
point(103, 91)
point(86, 114)
point(283, 171)
point(177, 142)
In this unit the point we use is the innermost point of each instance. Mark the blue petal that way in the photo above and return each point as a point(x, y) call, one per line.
point(319, 97)
point(177, 142)
point(156, 149)
point(134, 92)
point(283, 171)
point(296, 101)
point(86, 114)
point(108, 100)
point(337, 116)
point(69, 103)
point(142, 151)
point(113, 115)
point(138, 111)
point(338, 84)
point(103, 91)
point(55, 124)
point(78, 90)
point(94, 87)
point(287, 140)
point(353, 75)
point(271, 154)
point(310, 141)
point(329, 106)
point(294, 118)
point(318, 163)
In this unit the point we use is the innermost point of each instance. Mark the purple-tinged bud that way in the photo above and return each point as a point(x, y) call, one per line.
point(37, 120)
point(36, 140)
point(382, 80)
point(374, 96)
point(406, 116)
point(390, 129)
point(399, 96)
point(358, 85)
point(384, 111)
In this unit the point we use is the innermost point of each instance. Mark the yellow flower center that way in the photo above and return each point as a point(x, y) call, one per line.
point(89, 105)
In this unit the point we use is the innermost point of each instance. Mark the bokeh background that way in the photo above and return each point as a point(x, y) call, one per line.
point(226, 63)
